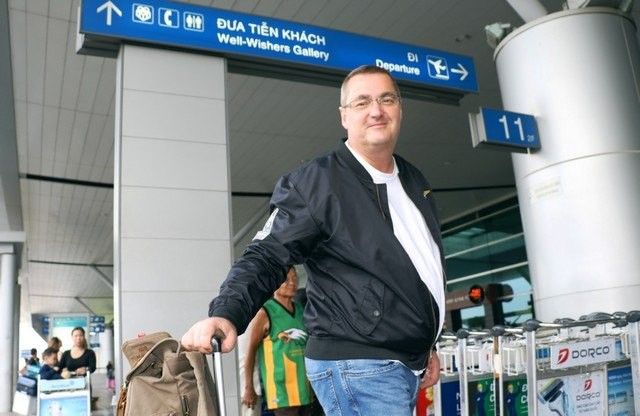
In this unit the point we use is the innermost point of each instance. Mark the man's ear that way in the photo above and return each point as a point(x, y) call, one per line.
point(343, 117)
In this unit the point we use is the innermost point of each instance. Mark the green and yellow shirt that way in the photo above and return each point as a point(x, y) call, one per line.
point(281, 358)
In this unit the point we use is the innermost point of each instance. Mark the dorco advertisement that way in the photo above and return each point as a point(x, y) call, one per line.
point(579, 394)
point(481, 397)
point(620, 392)
point(450, 398)
point(515, 397)
point(583, 353)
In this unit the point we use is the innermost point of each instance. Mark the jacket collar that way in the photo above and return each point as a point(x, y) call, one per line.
point(345, 154)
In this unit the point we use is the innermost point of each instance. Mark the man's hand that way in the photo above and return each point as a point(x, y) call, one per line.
point(249, 398)
point(198, 337)
point(432, 374)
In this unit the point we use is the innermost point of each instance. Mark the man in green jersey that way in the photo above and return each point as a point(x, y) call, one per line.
point(277, 336)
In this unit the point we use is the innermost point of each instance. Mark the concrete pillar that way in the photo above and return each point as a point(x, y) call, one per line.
point(16, 364)
point(7, 313)
point(172, 225)
point(577, 72)
point(106, 348)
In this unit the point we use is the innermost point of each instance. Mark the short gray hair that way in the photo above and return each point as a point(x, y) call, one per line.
point(365, 69)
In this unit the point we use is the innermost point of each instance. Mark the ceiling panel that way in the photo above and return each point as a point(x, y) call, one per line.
point(36, 47)
point(40, 7)
point(61, 9)
point(73, 67)
point(63, 139)
point(100, 306)
point(18, 33)
point(34, 136)
point(266, 7)
point(57, 31)
point(106, 92)
point(78, 137)
point(49, 128)
point(90, 77)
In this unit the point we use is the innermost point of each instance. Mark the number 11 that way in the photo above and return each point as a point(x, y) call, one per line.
point(517, 122)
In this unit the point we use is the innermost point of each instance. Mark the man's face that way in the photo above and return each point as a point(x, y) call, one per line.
point(290, 285)
point(377, 125)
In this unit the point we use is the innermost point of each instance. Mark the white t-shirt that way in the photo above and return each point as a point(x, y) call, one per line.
point(411, 230)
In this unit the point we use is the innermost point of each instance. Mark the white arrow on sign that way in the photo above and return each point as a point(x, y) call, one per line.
point(110, 9)
point(462, 70)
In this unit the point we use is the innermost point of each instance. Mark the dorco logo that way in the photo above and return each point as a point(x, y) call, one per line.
point(563, 355)
point(590, 352)
point(587, 384)
point(588, 396)
point(582, 353)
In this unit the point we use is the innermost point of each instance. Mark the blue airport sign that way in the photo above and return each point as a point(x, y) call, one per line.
point(243, 35)
point(504, 128)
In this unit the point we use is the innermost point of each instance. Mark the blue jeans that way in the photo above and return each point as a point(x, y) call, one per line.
point(363, 387)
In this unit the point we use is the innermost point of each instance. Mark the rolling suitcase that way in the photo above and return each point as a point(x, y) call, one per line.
point(217, 371)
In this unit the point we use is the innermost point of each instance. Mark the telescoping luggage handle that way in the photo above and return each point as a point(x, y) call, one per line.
point(216, 344)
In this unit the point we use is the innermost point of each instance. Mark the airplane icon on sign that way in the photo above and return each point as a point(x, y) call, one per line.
point(437, 67)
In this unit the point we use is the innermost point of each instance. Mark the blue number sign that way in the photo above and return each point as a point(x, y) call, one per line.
point(272, 40)
point(504, 128)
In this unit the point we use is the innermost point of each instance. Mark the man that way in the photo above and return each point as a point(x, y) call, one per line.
point(363, 221)
point(33, 360)
point(251, 405)
point(277, 337)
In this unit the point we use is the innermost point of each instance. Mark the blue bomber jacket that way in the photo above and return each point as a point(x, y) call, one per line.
point(365, 297)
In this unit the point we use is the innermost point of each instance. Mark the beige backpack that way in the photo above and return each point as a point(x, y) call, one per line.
point(164, 381)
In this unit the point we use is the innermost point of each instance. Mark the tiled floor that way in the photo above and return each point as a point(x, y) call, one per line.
point(104, 395)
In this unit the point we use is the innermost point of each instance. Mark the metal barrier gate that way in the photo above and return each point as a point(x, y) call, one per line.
point(476, 351)
point(510, 368)
point(584, 367)
point(579, 367)
point(633, 319)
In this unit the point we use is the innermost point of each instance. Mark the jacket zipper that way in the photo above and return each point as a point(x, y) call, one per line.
point(380, 202)
point(436, 323)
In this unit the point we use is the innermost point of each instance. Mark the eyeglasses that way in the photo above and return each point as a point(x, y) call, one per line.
point(362, 103)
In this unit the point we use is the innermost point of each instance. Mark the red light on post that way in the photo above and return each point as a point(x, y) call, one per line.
point(476, 294)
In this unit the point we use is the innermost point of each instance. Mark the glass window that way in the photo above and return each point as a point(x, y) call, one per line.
point(487, 247)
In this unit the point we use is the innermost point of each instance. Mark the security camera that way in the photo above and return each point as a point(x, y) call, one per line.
point(496, 32)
